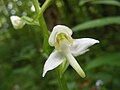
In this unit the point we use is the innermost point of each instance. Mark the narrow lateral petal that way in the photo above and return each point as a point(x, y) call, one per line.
point(80, 46)
point(75, 64)
point(54, 60)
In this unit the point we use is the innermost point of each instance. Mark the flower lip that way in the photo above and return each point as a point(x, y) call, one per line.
point(57, 30)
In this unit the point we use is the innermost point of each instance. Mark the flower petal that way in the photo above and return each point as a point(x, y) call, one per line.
point(57, 30)
point(54, 60)
point(80, 46)
point(75, 64)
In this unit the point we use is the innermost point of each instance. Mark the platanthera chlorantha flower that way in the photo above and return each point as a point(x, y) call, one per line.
point(66, 48)
point(17, 22)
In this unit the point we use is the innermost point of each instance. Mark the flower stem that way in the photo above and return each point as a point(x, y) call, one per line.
point(43, 27)
point(61, 80)
point(42, 9)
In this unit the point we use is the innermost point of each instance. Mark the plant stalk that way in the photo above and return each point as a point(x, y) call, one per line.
point(44, 28)
point(61, 80)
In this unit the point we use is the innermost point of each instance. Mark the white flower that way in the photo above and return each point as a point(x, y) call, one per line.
point(66, 48)
point(17, 22)
point(32, 8)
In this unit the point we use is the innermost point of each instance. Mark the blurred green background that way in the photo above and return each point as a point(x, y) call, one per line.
point(21, 51)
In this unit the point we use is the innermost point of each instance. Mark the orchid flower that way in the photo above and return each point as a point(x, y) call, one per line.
point(66, 48)
point(17, 22)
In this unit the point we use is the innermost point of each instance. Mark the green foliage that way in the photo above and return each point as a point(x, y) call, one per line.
point(97, 23)
point(82, 2)
point(110, 2)
point(106, 2)
point(108, 59)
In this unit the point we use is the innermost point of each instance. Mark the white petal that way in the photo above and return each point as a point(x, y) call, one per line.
point(80, 46)
point(54, 60)
point(17, 22)
point(57, 30)
point(75, 64)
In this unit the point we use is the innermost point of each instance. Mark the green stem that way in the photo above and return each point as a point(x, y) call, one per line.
point(42, 9)
point(46, 46)
point(43, 27)
point(61, 80)
point(36, 5)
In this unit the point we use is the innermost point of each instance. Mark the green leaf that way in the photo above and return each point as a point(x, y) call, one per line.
point(108, 59)
point(97, 23)
point(82, 2)
point(107, 2)
point(29, 21)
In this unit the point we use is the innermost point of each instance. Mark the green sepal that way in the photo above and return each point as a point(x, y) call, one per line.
point(29, 21)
